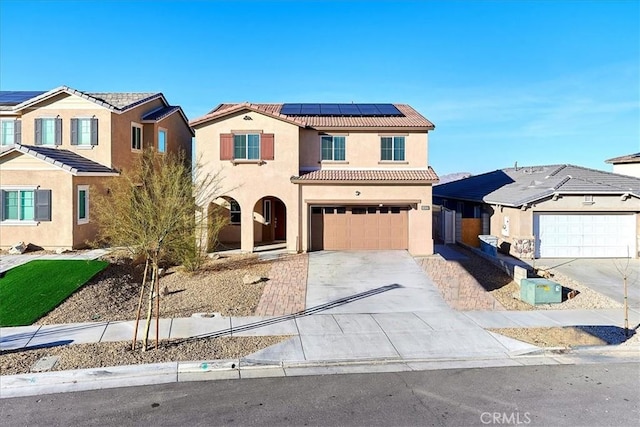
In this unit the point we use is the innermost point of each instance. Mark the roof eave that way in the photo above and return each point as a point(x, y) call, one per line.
point(374, 128)
point(361, 181)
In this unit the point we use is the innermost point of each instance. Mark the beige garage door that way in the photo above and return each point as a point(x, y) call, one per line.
point(359, 227)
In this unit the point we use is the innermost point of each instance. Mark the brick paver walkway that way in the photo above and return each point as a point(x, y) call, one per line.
point(457, 286)
point(286, 290)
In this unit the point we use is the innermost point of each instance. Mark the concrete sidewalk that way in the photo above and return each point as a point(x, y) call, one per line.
point(8, 262)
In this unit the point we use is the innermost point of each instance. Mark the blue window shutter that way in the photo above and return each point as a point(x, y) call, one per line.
point(17, 131)
point(58, 131)
point(74, 131)
point(43, 205)
point(94, 131)
point(38, 132)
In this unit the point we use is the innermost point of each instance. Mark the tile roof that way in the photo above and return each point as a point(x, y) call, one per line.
point(410, 119)
point(630, 158)
point(64, 159)
point(357, 175)
point(160, 113)
point(522, 185)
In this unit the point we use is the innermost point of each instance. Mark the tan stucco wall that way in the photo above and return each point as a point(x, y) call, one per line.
point(48, 234)
point(69, 107)
point(84, 234)
point(248, 183)
point(631, 169)
point(362, 150)
point(420, 235)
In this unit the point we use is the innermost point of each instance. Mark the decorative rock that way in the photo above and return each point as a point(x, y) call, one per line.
point(62, 250)
point(18, 249)
point(250, 279)
point(214, 314)
point(213, 256)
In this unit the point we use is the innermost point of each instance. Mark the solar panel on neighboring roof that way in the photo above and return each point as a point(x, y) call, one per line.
point(12, 97)
point(371, 110)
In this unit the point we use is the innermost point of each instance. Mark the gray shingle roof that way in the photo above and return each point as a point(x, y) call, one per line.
point(64, 159)
point(630, 158)
point(518, 186)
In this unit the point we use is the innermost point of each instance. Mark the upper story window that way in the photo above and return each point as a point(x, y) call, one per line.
point(162, 141)
point(84, 132)
point(333, 147)
point(48, 131)
point(246, 146)
point(9, 132)
point(136, 136)
point(392, 148)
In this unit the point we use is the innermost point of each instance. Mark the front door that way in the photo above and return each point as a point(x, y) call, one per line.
point(279, 220)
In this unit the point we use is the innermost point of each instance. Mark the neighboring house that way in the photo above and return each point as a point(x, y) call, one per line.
point(566, 211)
point(626, 165)
point(58, 146)
point(321, 176)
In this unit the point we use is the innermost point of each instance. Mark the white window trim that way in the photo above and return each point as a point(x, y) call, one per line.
point(139, 126)
point(2, 133)
point(231, 211)
point(85, 146)
point(86, 208)
point(266, 211)
point(53, 144)
point(166, 139)
point(333, 151)
point(393, 149)
point(246, 146)
point(13, 222)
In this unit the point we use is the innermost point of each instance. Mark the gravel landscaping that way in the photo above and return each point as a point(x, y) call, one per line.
point(571, 336)
point(113, 295)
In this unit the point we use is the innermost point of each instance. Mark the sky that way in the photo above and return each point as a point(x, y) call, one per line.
point(533, 82)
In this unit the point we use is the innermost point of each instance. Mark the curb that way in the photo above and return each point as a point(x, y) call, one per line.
point(32, 384)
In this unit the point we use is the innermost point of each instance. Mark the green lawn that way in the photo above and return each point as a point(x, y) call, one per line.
point(31, 290)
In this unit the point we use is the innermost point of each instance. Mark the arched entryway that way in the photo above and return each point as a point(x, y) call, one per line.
point(270, 221)
point(223, 225)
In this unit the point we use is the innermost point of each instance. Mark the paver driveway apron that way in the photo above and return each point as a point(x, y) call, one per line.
point(397, 314)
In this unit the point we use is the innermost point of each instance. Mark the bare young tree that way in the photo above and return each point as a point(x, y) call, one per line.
point(624, 269)
point(150, 210)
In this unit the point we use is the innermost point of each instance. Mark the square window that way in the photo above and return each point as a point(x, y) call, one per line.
point(333, 148)
point(358, 211)
point(392, 148)
point(341, 210)
point(48, 131)
point(18, 205)
point(246, 146)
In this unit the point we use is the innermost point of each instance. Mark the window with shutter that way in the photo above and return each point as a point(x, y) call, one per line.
point(21, 205)
point(7, 132)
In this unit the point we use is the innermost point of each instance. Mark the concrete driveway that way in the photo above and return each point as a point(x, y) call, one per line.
point(377, 305)
point(601, 275)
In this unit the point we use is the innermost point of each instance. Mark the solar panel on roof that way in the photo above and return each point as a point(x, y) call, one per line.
point(290, 109)
point(368, 109)
point(310, 109)
point(17, 97)
point(349, 109)
point(388, 110)
point(329, 109)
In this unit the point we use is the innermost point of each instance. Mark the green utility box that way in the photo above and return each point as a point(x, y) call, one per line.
point(540, 291)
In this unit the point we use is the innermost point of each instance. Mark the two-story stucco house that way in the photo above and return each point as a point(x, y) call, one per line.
point(321, 176)
point(58, 146)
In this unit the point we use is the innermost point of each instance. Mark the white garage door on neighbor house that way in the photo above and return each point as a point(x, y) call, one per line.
point(584, 236)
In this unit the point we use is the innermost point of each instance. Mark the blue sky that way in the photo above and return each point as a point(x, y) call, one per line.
point(537, 82)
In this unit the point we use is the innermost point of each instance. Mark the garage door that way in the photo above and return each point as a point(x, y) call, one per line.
point(359, 227)
point(584, 236)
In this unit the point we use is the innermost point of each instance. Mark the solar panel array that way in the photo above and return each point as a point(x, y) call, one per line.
point(13, 97)
point(371, 110)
